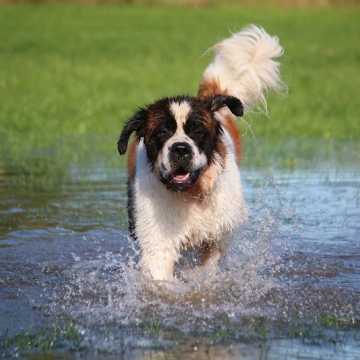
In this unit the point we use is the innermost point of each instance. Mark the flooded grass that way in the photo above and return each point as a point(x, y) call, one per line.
point(45, 340)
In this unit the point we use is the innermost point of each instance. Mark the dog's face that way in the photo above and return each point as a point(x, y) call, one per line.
point(181, 136)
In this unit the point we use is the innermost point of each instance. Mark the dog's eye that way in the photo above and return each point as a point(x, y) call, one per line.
point(196, 128)
point(163, 133)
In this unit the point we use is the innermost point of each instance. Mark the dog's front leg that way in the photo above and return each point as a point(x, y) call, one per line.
point(158, 262)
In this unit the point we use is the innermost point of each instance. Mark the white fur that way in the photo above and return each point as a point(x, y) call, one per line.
point(245, 66)
point(181, 111)
point(166, 221)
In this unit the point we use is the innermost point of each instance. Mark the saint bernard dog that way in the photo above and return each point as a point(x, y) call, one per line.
point(184, 188)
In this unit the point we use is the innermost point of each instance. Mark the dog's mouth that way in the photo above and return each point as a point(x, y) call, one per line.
point(180, 176)
point(180, 179)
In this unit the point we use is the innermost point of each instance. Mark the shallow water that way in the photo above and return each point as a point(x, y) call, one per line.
point(289, 287)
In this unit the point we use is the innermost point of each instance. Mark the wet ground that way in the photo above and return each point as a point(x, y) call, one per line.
point(289, 287)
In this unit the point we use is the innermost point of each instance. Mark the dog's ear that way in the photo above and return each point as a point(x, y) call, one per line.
point(136, 123)
point(234, 104)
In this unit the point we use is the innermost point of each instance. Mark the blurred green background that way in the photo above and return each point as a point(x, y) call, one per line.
point(72, 74)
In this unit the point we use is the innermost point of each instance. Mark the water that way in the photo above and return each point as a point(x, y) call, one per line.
point(289, 287)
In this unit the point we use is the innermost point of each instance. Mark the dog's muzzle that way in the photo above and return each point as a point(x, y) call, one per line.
point(181, 176)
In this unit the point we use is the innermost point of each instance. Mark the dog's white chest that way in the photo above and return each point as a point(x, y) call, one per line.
point(165, 219)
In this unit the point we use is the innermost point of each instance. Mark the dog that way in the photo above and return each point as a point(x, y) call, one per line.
point(184, 187)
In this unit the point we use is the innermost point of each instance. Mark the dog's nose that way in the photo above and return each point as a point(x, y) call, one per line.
point(181, 151)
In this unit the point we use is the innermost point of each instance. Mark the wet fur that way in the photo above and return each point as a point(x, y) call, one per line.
point(166, 217)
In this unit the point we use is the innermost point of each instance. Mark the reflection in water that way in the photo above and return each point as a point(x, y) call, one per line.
point(292, 272)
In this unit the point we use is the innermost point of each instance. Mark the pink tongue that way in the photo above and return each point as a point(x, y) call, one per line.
point(181, 178)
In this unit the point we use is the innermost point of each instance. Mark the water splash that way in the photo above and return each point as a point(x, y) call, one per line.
point(110, 290)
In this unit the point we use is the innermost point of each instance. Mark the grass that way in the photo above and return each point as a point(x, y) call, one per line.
point(45, 340)
point(71, 75)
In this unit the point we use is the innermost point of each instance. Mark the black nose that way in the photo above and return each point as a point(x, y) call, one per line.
point(180, 151)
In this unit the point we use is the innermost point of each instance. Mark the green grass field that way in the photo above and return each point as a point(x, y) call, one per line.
point(71, 75)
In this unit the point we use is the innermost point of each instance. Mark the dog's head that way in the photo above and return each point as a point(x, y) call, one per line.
point(181, 136)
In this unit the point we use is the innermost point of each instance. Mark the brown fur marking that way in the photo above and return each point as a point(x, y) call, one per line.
point(230, 125)
point(131, 161)
point(211, 88)
point(204, 184)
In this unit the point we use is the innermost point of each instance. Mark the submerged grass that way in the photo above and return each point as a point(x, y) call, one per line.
point(56, 337)
point(326, 328)
point(72, 75)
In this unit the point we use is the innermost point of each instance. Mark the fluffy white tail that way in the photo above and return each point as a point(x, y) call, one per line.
point(244, 66)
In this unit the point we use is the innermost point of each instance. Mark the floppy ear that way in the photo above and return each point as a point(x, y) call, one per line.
point(136, 123)
point(233, 103)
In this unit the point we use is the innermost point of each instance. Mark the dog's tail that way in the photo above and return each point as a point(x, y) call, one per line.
point(244, 66)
